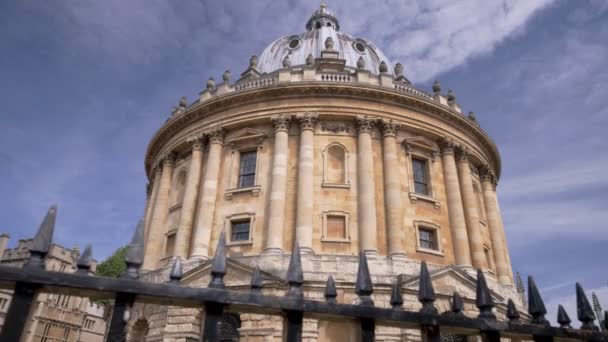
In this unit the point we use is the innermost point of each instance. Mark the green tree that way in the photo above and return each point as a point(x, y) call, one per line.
point(114, 265)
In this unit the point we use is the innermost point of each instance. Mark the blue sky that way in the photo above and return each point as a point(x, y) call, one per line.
point(85, 84)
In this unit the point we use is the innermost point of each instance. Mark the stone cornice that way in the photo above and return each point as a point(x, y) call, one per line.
point(316, 89)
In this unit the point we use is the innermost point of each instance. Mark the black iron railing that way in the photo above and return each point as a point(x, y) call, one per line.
point(28, 281)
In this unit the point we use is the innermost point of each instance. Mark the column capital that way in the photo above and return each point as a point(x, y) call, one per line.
point(308, 121)
point(216, 135)
point(447, 146)
point(281, 122)
point(487, 175)
point(169, 159)
point(364, 124)
point(158, 169)
point(389, 128)
point(462, 153)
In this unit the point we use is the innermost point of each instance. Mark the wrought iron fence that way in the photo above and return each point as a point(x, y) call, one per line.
point(214, 299)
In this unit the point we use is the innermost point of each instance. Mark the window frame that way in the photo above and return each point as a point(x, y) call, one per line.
point(347, 229)
point(229, 220)
point(421, 149)
point(325, 155)
point(425, 171)
point(170, 234)
point(243, 141)
point(429, 226)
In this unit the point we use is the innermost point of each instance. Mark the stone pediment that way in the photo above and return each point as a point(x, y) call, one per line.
point(245, 134)
point(448, 279)
point(237, 275)
point(421, 143)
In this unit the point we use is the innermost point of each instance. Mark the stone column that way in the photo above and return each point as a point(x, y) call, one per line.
point(304, 211)
point(206, 208)
point(186, 221)
point(276, 211)
point(471, 212)
point(495, 226)
point(151, 201)
point(366, 187)
point(156, 234)
point(392, 191)
point(458, 229)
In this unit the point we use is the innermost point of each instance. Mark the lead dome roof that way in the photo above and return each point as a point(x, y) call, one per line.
point(321, 25)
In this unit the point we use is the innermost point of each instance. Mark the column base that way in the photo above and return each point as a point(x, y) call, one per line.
point(198, 258)
point(397, 256)
point(306, 250)
point(371, 252)
point(272, 251)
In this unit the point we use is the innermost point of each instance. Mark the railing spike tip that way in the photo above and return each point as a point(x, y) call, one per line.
point(176, 271)
point(256, 279)
point(218, 266)
point(295, 274)
point(330, 290)
point(426, 293)
point(363, 283)
point(583, 309)
point(562, 317)
point(536, 306)
point(457, 305)
point(135, 252)
point(396, 296)
point(83, 264)
point(483, 298)
point(512, 312)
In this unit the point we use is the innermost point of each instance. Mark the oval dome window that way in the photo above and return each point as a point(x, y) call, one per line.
point(359, 46)
point(294, 43)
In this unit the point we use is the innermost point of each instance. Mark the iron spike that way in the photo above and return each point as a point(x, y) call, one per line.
point(256, 279)
point(583, 310)
point(330, 290)
point(396, 297)
point(176, 271)
point(426, 293)
point(363, 284)
point(43, 239)
point(135, 252)
point(483, 299)
point(457, 305)
point(562, 317)
point(536, 306)
point(218, 267)
point(84, 261)
point(605, 321)
point(295, 276)
point(512, 313)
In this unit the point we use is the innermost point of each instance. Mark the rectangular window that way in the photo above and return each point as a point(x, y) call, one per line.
point(336, 227)
point(428, 238)
point(247, 169)
point(421, 185)
point(239, 230)
point(170, 247)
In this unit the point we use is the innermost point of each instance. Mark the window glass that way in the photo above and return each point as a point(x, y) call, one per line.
point(428, 238)
point(240, 230)
point(420, 177)
point(247, 169)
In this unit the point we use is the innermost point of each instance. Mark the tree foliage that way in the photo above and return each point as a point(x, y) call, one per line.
point(114, 265)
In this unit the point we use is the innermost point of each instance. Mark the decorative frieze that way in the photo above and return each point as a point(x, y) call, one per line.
point(334, 127)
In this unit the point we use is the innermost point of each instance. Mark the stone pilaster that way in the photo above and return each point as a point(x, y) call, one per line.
point(156, 234)
point(305, 182)
point(460, 240)
point(151, 201)
point(495, 227)
point(186, 221)
point(206, 208)
point(278, 185)
point(471, 212)
point(366, 187)
point(392, 190)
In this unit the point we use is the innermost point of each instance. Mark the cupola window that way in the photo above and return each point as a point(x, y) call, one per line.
point(359, 46)
point(294, 43)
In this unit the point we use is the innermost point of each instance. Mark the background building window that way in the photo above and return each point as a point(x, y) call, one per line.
point(239, 230)
point(247, 169)
point(428, 238)
point(420, 176)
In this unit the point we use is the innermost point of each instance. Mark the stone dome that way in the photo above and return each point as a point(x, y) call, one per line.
point(322, 25)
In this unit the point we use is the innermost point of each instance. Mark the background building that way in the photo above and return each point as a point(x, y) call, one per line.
point(56, 318)
point(320, 143)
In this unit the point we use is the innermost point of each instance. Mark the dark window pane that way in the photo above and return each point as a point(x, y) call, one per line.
point(420, 177)
point(247, 169)
point(428, 238)
point(240, 230)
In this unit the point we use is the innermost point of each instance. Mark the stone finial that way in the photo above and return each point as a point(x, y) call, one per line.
point(457, 305)
point(398, 69)
point(135, 252)
point(562, 317)
point(512, 313)
point(483, 299)
point(256, 279)
point(183, 103)
point(426, 293)
point(436, 87)
point(286, 61)
point(329, 43)
point(218, 267)
point(383, 68)
point(536, 306)
point(43, 239)
point(210, 83)
point(176, 271)
point(471, 116)
point(363, 283)
point(310, 59)
point(330, 290)
point(84, 261)
point(361, 63)
point(226, 76)
point(396, 297)
point(451, 97)
point(253, 61)
point(584, 311)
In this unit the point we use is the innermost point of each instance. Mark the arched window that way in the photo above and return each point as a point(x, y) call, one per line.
point(318, 25)
point(229, 327)
point(335, 168)
point(179, 188)
point(139, 331)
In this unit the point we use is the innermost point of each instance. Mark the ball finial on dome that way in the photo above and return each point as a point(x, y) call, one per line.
point(286, 62)
point(383, 67)
point(329, 43)
point(310, 59)
point(360, 63)
point(183, 102)
point(436, 87)
point(451, 97)
point(226, 76)
point(210, 83)
point(398, 69)
point(253, 61)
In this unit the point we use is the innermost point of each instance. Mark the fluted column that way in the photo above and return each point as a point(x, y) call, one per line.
point(458, 227)
point(392, 190)
point(304, 211)
point(151, 201)
point(366, 186)
point(495, 226)
point(276, 212)
point(206, 208)
point(186, 221)
point(471, 212)
point(156, 234)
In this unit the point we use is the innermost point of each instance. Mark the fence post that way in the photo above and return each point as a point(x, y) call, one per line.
point(364, 289)
point(484, 302)
point(426, 295)
point(295, 279)
point(536, 308)
point(214, 311)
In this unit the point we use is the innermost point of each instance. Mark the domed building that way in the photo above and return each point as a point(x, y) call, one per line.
point(321, 144)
